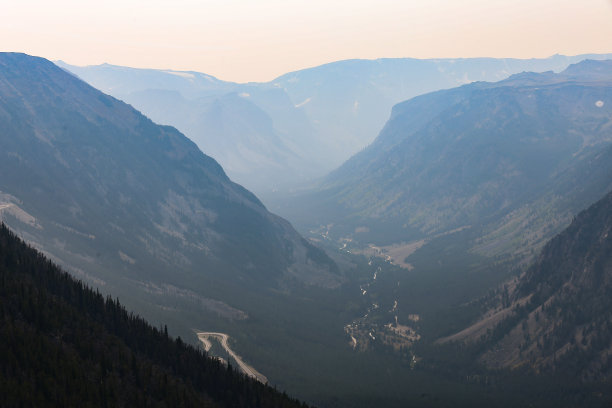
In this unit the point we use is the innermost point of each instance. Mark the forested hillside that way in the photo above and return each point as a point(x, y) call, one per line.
point(64, 344)
point(557, 318)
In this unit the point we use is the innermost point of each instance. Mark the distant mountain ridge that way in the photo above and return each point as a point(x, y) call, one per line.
point(316, 117)
point(514, 160)
point(228, 121)
point(229, 127)
point(133, 206)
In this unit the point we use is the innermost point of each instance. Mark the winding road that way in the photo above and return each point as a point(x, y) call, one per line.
point(223, 339)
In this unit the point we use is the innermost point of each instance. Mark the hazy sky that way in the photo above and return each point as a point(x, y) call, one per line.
point(257, 40)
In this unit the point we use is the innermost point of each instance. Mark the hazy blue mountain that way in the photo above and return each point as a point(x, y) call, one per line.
point(317, 117)
point(230, 122)
point(122, 81)
point(132, 206)
point(512, 160)
point(250, 148)
point(349, 101)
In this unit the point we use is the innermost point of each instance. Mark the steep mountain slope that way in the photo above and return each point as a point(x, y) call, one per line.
point(317, 117)
point(232, 129)
point(558, 315)
point(253, 130)
point(63, 344)
point(133, 206)
point(512, 160)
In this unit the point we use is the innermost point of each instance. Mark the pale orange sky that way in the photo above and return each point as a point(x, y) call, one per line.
point(257, 40)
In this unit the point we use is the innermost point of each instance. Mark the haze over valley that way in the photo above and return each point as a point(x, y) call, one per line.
point(288, 132)
point(353, 229)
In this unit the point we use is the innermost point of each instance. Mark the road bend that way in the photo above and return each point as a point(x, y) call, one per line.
point(204, 337)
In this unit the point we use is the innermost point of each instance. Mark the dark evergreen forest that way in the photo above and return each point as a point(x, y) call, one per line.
point(64, 344)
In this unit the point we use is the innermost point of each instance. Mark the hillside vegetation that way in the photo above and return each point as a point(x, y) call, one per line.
point(557, 317)
point(64, 344)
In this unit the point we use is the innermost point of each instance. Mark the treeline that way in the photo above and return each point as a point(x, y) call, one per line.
point(64, 344)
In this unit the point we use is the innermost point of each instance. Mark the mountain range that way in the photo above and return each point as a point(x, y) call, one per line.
point(459, 192)
point(295, 128)
point(511, 161)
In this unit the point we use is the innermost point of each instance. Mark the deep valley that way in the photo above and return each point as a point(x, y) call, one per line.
point(460, 256)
